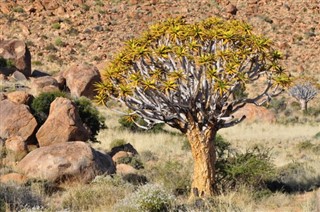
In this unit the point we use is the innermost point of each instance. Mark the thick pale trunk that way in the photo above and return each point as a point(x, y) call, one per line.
point(204, 156)
point(304, 105)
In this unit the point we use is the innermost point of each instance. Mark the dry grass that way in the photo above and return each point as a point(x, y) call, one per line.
point(282, 139)
point(289, 144)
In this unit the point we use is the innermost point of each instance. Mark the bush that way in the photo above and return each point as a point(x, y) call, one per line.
point(149, 197)
point(89, 115)
point(233, 169)
point(173, 175)
point(135, 162)
point(6, 63)
point(252, 168)
point(40, 105)
point(305, 145)
point(278, 105)
point(128, 122)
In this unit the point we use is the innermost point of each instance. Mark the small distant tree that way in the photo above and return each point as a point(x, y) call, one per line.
point(189, 76)
point(303, 92)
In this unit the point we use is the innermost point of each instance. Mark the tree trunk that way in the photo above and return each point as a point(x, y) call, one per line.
point(303, 105)
point(204, 156)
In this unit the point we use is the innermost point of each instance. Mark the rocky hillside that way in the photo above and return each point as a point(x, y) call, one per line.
point(60, 32)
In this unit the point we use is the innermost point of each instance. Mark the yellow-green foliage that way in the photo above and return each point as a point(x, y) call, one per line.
point(175, 41)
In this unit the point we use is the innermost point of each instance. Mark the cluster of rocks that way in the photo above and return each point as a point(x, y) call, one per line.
point(54, 28)
point(57, 150)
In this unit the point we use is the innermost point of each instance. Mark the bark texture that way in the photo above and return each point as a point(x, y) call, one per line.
point(304, 105)
point(204, 155)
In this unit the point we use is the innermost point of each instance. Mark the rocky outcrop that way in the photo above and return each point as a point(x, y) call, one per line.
point(80, 79)
point(16, 120)
point(44, 84)
point(19, 97)
point(18, 54)
point(72, 161)
point(125, 169)
point(255, 113)
point(16, 148)
point(62, 125)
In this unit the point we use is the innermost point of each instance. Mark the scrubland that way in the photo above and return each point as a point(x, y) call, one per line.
point(294, 151)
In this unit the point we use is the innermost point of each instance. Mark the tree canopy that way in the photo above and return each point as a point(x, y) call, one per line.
point(177, 71)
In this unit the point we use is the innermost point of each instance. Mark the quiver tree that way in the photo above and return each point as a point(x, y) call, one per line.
point(303, 92)
point(186, 75)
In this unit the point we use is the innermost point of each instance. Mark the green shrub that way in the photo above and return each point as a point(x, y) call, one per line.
point(129, 122)
point(295, 105)
point(6, 63)
point(56, 25)
point(317, 136)
point(174, 175)
point(305, 145)
point(117, 142)
point(252, 168)
point(89, 115)
point(40, 105)
point(149, 197)
point(59, 42)
point(278, 105)
point(2, 205)
point(135, 162)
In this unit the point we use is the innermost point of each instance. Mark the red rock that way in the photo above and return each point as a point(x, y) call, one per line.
point(255, 113)
point(80, 80)
point(20, 97)
point(125, 169)
point(17, 51)
point(16, 120)
point(16, 148)
point(62, 125)
point(71, 162)
point(43, 84)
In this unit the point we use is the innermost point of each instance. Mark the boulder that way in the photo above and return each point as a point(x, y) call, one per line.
point(18, 76)
point(255, 113)
point(16, 148)
point(44, 84)
point(13, 178)
point(120, 154)
point(80, 80)
point(125, 169)
point(71, 162)
point(124, 148)
point(18, 52)
point(20, 97)
point(62, 125)
point(16, 120)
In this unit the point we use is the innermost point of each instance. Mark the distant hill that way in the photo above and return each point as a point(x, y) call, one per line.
point(61, 32)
